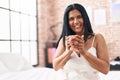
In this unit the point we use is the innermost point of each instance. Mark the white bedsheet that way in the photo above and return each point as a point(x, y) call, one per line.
point(48, 74)
point(33, 74)
point(15, 67)
point(112, 75)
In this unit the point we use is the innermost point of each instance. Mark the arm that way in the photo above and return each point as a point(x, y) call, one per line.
point(62, 55)
point(100, 63)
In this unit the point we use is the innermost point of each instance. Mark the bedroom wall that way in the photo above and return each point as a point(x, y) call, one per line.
point(50, 14)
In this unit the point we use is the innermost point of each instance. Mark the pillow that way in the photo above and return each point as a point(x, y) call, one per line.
point(3, 69)
point(14, 62)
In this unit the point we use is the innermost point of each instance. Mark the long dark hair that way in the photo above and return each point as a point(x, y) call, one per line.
point(66, 28)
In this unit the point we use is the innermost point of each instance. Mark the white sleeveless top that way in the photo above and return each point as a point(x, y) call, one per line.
point(78, 68)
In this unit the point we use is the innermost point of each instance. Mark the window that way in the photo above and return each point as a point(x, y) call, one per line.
point(18, 28)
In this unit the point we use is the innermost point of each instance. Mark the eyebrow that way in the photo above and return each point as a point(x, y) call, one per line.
point(76, 16)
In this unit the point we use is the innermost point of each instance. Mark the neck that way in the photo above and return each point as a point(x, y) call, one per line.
point(80, 34)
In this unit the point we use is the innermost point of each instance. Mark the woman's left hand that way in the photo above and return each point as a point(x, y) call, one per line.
point(77, 44)
point(81, 44)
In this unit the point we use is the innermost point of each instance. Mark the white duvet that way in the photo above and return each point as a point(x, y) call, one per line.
point(33, 74)
point(48, 74)
point(15, 67)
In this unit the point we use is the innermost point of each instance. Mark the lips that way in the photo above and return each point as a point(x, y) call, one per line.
point(78, 26)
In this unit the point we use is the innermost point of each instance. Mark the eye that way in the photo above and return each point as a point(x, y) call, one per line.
point(79, 16)
point(71, 18)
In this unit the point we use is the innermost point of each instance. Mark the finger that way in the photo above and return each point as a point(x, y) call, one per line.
point(77, 36)
point(82, 37)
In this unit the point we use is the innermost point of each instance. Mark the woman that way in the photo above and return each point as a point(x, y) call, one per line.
point(80, 53)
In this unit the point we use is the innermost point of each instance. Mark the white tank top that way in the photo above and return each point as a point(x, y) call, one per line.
point(77, 68)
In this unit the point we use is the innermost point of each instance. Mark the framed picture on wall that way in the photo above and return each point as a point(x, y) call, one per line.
point(100, 17)
point(115, 12)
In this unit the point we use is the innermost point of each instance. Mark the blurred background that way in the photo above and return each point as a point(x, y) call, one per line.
point(32, 27)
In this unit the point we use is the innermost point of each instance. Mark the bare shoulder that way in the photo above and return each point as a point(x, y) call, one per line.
point(60, 44)
point(61, 41)
point(99, 38)
point(60, 49)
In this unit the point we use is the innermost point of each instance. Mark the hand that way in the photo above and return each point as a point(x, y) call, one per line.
point(69, 42)
point(76, 43)
point(81, 45)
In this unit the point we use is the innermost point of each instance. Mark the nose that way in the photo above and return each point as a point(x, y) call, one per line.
point(76, 21)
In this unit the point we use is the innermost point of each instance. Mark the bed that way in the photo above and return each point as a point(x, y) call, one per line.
point(15, 67)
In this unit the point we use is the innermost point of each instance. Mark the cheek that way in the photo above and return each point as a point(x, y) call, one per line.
point(71, 24)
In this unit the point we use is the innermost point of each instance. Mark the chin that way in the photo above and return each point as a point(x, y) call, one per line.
point(78, 31)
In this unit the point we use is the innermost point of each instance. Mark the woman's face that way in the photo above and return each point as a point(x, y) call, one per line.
point(76, 22)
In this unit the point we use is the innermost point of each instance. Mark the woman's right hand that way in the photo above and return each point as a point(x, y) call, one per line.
point(67, 42)
point(71, 42)
point(75, 43)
